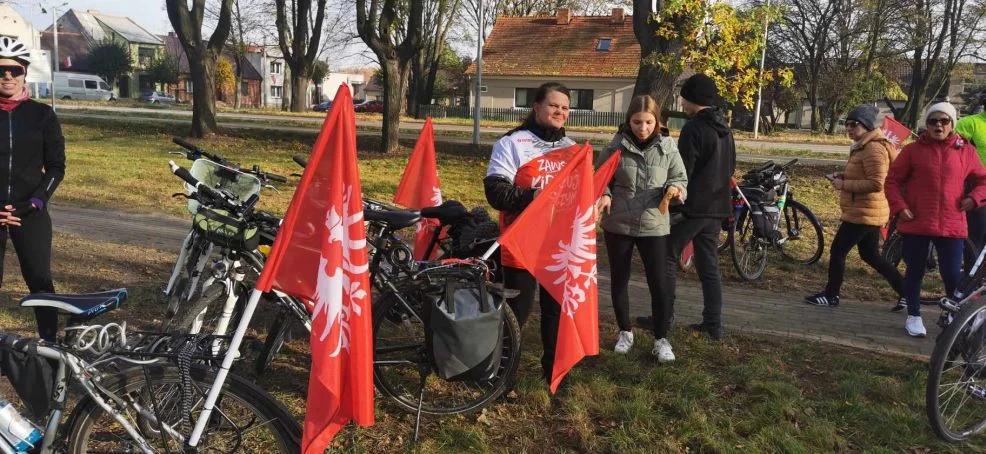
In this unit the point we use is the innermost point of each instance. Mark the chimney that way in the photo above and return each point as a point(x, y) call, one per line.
point(618, 16)
point(564, 16)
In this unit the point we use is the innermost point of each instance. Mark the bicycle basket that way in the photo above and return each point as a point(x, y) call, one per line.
point(217, 176)
point(226, 230)
point(464, 327)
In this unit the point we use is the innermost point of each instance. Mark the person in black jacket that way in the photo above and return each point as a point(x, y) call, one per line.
point(31, 143)
point(708, 150)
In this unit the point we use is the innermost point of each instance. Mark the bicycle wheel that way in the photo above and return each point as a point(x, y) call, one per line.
point(245, 419)
point(276, 334)
point(727, 226)
point(205, 313)
point(803, 240)
point(400, 358)
point(955, 398)
point(185, 284)
point(748, 250)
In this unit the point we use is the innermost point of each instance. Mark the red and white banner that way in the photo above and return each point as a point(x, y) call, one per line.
point(895, 132)
point(563, 258)
point(420, 188)
point(321, 254)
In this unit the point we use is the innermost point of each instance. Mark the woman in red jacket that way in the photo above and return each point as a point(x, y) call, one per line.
point(926, 188)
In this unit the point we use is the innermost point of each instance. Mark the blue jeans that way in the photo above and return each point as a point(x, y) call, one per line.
point(915, 252)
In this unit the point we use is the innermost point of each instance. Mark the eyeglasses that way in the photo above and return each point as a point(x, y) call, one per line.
point(938, 121)
point(14, 70)
point(852, 123)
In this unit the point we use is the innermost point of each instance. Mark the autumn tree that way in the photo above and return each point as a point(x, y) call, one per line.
point(110, 59)
point(392, 29)
point(225, 77)
point(298, 35)
point(436, 24)
point(202, 56)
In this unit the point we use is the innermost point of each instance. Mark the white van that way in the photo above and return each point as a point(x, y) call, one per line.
point(69, 85)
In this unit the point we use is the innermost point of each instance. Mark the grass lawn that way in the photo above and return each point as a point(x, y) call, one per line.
point(746, 394)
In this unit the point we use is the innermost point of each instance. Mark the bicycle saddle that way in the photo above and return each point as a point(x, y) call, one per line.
point(80, 306)
point(446, 213)
point(393, 219)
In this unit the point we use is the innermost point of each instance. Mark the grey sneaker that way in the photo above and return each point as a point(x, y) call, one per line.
point(624, 342)
point(915, 326)
point(662, 349)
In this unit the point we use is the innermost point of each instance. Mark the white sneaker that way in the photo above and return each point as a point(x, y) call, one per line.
point(915, 326)
point(662, 349)
point(624, 342)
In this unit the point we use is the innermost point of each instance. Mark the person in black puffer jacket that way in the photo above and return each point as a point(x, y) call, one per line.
point(708, 150)
point(32, 144)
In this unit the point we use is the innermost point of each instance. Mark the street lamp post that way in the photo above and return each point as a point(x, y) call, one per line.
point(480, 19)
point(763, 58)
point(54, 30)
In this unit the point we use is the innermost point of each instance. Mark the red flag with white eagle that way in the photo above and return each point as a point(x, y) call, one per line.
point(320, 254)
point(895, 132)
point(420, 188)
point(563, 258)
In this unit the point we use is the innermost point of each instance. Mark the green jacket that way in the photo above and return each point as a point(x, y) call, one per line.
point(973, 128)
point(638, 185)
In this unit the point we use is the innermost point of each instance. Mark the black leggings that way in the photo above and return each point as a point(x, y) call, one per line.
point(866, 238)
point(520, 279)
point(32, 242)
point(653, 252)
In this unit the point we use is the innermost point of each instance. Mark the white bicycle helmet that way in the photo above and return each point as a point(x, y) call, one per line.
point(13, 49)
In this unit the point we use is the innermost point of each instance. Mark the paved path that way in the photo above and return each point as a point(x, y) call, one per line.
point(411, 137)
point(760, 145)
point(865, 325)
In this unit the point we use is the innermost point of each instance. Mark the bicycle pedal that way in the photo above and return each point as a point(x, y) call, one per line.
point(977, 391)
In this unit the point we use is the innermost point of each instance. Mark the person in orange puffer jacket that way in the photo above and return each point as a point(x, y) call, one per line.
point(926, 188)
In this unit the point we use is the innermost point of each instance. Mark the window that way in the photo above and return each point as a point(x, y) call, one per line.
point(275, 67)
point(91, 85)
point(604, 44)
point(103, 86)
point(244, 88)
point(188, 85)
point(581, 99)
point(145, 56)
point(76, 83)
point(524, 97)
point(275, 91)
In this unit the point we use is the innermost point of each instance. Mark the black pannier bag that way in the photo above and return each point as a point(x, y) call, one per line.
point(763, 212)
point(464, 326)
point(31, 376)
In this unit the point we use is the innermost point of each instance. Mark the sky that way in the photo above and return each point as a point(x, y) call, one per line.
point(149, 14)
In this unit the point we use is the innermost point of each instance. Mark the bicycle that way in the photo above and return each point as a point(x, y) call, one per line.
point(759, 200)
point(138, 392)
point(236, 184)
point(957, 370)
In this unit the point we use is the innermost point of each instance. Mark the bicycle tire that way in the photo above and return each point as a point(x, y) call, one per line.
point(182, 292)
point(436, 390)
point(279, 431)
point(791, 209)
point(943, 365)
point(276, 334)
point(749, 249)
point(724, 238)
point(211, 301)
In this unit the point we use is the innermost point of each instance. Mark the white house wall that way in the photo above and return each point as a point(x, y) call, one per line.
point(609, 95)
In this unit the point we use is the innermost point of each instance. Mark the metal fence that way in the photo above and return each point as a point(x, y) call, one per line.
point(516, 115)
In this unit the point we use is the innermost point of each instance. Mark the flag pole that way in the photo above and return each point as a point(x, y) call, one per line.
point(217, 386)
point(491, 250)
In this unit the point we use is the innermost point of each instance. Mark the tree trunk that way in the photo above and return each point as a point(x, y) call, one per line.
point(651, 79)
point(236, 91)
point(299, 102)
point(204, 95)
point(286, 90)
point(393, 87)
point(813, 102)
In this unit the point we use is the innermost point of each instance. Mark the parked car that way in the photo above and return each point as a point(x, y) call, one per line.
point(322, 106)
point(70, 85)
point(157, 97)
point(369, 106)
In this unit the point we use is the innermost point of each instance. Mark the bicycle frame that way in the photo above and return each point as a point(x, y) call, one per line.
point(70, 365)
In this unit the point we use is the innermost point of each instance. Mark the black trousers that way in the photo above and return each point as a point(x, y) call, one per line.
point(32, 243)
point(704, 235)
point(866, 239)
point(977, 233)
point(654, 253)
point(519, 279)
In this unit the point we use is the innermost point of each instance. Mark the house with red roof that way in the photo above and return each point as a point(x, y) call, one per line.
point(597, 57)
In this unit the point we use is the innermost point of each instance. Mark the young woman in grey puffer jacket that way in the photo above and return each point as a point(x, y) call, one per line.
point(650, 172)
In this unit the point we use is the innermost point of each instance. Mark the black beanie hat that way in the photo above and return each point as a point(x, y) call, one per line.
point(700, 89)
point(866, 115)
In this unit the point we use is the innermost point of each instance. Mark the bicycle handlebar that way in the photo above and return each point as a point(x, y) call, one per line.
point(301, 161)
point(194, 152)
point(201, 188)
